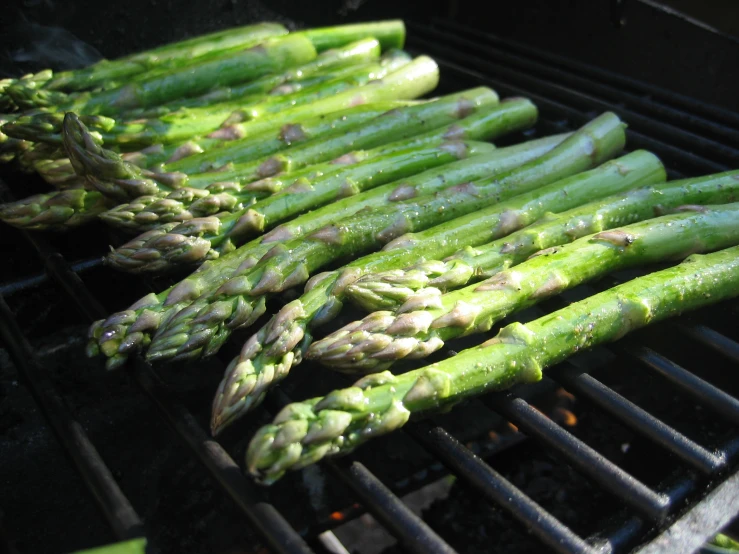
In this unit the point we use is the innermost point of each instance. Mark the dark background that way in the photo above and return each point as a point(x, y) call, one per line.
point(689, 46)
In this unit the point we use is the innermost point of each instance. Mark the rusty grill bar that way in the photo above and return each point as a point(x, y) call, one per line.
point(691, 137)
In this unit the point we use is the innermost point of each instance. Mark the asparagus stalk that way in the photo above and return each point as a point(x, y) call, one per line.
point(396, 289)
point(305, 432)
point(177, 125)
point(241, 300)
point(129, 330)
point(269, 354)
point(175, 245)
point(383, 337)
point(269, 56)
point(206, 238)
point(120, 180)
point(56, 211)
point(172, 55)
point(390, 33)
point(323, 68)
point(52, 211)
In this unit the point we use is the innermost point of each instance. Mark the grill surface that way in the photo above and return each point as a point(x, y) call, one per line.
point(673, 511)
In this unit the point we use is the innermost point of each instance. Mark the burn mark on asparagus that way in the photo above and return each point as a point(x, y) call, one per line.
point(270, 167)
point(395, 229)
point(454, 132)
point(232, 132)
point(403, 192)
point(617, 237)
point(292, 132)
point(464, 108)
point(347, 159)
point(330, 234)
point(455, 148)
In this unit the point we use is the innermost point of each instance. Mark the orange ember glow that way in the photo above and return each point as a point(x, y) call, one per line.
point(562, 393)
point(513, 427)
point(566, 417)
point(337, 516)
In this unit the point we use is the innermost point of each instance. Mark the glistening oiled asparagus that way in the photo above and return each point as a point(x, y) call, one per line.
point(217, 120)
point(54, 210)
point(305, 432)
point(167, 56)
point(241, 300)
point(382, 338)
point(205, 238)
point(268, 56)
point(269, 354)
point(177, 245)
point(106, 172)
point(320, 70)
point(131, 329)
point(397, 289)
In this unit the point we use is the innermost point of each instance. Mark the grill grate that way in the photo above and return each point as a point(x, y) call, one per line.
point(691, 138)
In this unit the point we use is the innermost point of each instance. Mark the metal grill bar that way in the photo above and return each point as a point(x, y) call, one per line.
point(605, 92)
point(709, 148)
point(498, 490)
point(578, 454)
point(402, 523)
point(263, 516)
point(589, 387)
point(712, 397)
point(113, 504)
point(713, 339)
point(615, 79)
point(674, 156)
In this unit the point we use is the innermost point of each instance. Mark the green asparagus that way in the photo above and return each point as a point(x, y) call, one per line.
point(241, 300)
point(269, 354)
point(206, 238)
point(327, 65)
point(382, 338)
point(217, 120)
point(168, 56)
point(397, 289)
point(268, 56)
point(55, 211)
point(119, 180)
point(129, 330)
point(305, 432)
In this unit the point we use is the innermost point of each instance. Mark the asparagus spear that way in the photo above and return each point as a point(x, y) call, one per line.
point(241, 300)
point(116, 179)
point(174, 245)
point(205, 238)
point(304, 432)
point(171, 55)
point(55, 211)
point(382, 338)
point(177, 125)
point(327, 65)
point(390, 33)
point(269, 354)
point(397, 288)
point(268, 56)
point(52, 211)
point(131, 329)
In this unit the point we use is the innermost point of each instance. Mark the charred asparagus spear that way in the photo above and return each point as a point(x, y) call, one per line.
point(305, 432)
point(206, 238)
point(241, 300)
point(269, 354)
point(383, 337)
point(131, 329)
point(397, 289)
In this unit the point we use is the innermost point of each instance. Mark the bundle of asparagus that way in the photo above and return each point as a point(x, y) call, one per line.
point(265, 157)
point(305, 432)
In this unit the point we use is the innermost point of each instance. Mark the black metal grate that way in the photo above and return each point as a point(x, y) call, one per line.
point(692, 504)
